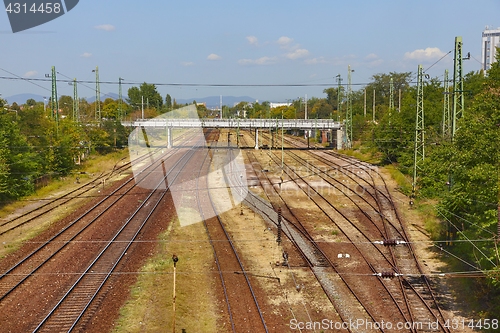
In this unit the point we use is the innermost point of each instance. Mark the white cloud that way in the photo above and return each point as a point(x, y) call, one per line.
point(213, 56)
point(429, 53)
point(105, 27)
point(86, 55)
point(371, 56)
point(298, 53)
point(30, 74)
point(259, 61)
point(284, 41)
point(314, 61)
point(187, 63)
point(375, 63)
point(253, 40)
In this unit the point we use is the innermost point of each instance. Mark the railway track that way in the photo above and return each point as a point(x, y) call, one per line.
point(81, 192)
point(72, 306)
point(85, 235)
point(244, 311)
point(411, 303)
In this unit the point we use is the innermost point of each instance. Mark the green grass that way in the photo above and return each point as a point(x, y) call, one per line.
point(403, 181)
point(150, 305)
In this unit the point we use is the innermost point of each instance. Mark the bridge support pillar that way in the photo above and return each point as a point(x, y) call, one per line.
point(339, 136)
point(170, 143)
point(257, 138)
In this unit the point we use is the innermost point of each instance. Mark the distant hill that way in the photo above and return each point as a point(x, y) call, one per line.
point(210, 101)
point(22, 98)
point(104, 96)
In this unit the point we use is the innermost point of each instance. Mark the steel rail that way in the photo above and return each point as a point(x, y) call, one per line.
point(109, 244)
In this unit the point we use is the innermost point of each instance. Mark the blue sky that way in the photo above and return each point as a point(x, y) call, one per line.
point(241, 43)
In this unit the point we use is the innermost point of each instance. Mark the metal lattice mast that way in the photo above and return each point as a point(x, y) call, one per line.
point(97, 95)
point(446, 106)
point(419, 152)
point(348, 118)
point(458, 86)
point(120, 97)
point(54, 102)
point(339, 95)
point(76, 102)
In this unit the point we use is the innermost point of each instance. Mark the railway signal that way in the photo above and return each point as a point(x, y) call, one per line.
point(175, 259)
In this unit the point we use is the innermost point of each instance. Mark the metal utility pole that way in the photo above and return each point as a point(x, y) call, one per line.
point(419, 152)
point(446, 106)
point(142, 107)
point(76, 102)
point(339, 95)
point(391, 95)
point(97, 95)
point(458, 86)
point(305, 107)
point(364, 103)
point(54, 102)
point(391, 99)
point(348, 118)
point(399, 101)
point(120, 97)
point(373, 110)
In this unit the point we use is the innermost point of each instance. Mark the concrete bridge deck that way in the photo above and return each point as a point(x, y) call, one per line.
point(287, 124)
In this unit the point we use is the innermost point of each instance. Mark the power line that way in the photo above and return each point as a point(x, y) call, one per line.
point(17, 77)
point(186, 84)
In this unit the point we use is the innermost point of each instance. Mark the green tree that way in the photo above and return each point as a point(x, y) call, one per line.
point(168, 102)
point(18, 160)
point(31, 102)
point(66, 106)
point(145, 93)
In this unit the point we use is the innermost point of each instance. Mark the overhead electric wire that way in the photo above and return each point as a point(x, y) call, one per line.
point(473, 245)
point(182, 84)
point(458, 274)
point(17, 77)
point(438, 61)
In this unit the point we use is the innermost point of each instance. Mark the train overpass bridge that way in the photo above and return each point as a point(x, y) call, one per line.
point(335, 128)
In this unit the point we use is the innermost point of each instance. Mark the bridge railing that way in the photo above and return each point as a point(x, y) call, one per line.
point(303, 124)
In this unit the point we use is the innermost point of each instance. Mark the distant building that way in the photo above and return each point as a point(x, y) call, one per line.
point(277, 105)
point(491, 40)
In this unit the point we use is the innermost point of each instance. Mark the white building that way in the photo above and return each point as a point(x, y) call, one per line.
point(273, 105)
point(491, 40)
